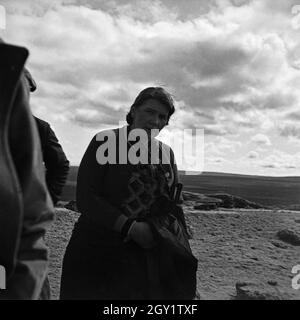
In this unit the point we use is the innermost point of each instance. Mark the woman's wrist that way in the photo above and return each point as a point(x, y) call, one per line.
point(121, 220)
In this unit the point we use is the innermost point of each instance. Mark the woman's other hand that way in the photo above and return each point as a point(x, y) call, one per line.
point(141, 233)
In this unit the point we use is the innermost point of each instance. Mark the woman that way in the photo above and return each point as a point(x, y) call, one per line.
point(115, 246)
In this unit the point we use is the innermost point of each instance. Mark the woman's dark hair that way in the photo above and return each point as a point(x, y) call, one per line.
point(157, 93)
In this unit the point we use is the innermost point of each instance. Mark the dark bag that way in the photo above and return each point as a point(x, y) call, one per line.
point(172, 266)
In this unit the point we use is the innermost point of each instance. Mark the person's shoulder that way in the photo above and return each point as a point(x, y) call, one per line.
point(165, 147)
point(41, 123)
point(108, 133)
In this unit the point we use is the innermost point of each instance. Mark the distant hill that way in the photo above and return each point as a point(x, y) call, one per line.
point(261, 189)
point(73, 173)
point(276, 191)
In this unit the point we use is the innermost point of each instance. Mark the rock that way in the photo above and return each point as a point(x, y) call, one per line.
point(199, 198)
point(254, 258)
point(190, 196)
point(212, 201)
point(207, 203)
point(250, 290)
point(71, 205)
point(289, 236)
point(209, 200)
point(205, 206)
point(279, 244)
point(60, 204)
point(229, 201)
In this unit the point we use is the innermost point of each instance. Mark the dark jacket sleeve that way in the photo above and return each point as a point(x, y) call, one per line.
point(26, 209)
point(56, 163)
point(90, 193)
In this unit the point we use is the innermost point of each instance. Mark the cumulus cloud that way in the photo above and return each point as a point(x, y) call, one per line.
point(274, 162)
point(290, 130)
point(295, 116)
point(221, 152)
point(252, 155)
point(186, 56)
point(261, 139)
point(280, 160)
point(230, 64)
point(216, 162)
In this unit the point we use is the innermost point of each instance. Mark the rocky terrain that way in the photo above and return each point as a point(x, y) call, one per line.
point(243, 253)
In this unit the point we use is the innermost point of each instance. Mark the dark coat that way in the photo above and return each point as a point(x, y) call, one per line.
point(55, 160)
point(101, 189)
point(25, 206)
point(104, 266)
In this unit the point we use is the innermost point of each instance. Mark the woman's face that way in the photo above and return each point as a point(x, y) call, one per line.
point(152, 114)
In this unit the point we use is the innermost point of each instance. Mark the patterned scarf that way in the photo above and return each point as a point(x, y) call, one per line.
point(147, 184)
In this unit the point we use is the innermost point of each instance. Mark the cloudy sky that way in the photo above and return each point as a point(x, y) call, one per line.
point(233, 67)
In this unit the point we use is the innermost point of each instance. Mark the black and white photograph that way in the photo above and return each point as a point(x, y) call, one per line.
point(150, 151)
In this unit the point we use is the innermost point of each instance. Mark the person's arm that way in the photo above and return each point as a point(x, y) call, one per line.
point(90, 192)
point(26, 213)
point(91, 199)
point(56, 163)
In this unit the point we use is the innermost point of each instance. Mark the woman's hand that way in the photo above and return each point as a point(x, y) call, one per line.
point(141, 233)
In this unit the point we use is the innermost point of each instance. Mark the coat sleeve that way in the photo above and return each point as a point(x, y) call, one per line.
point(90, 192)
point(56, 163)
point(26, 258)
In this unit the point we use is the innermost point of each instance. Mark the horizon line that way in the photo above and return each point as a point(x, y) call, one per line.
point(192, 172)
